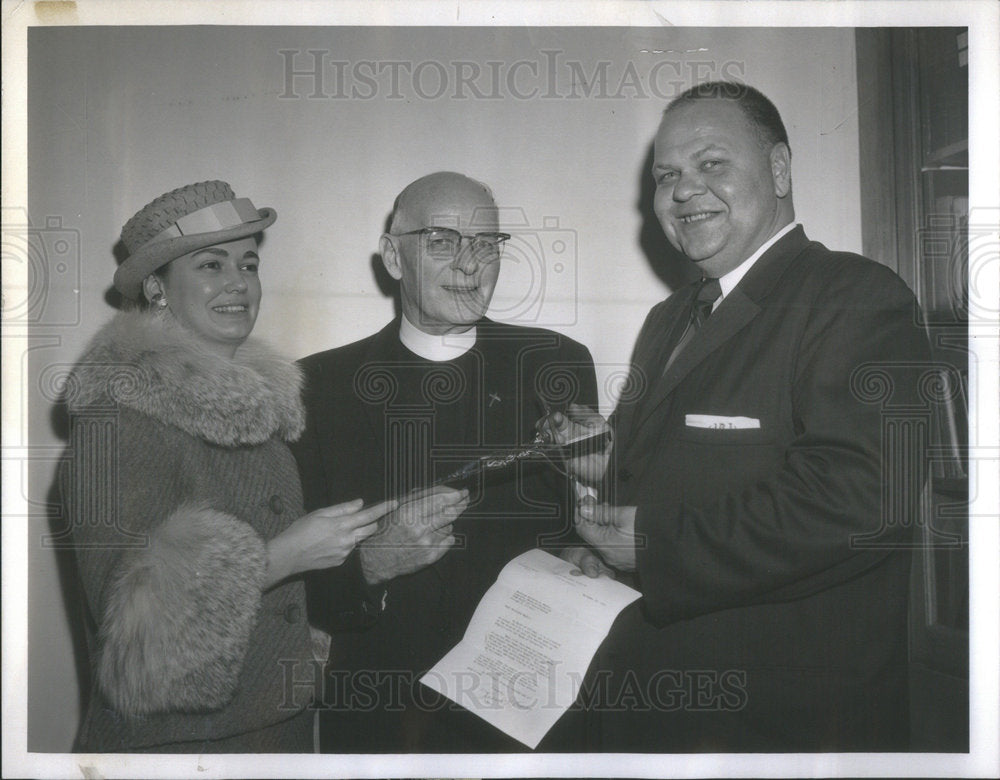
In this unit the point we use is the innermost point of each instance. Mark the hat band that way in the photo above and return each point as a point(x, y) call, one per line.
point(217, 216)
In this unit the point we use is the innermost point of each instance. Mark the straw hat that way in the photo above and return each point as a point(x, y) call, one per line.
point(183, 220)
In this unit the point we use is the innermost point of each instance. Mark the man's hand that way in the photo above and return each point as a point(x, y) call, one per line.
point(578, 422)
point(610, 530)
point(586, 561)
point(414, 536)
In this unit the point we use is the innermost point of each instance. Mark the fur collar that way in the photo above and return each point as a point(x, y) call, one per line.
point(147, 362)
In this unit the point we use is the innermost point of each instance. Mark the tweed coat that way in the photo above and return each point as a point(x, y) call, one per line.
point(177, 474)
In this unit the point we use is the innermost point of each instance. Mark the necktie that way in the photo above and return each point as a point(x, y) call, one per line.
point(700, 310)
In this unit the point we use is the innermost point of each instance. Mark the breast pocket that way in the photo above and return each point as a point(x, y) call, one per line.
point(722, 436)
point(705, 463)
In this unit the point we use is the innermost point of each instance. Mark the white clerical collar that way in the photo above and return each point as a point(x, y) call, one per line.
point(445, 346)
point(729, 280)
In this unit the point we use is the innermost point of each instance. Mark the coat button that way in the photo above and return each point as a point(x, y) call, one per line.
point(293, 613)
point(276, 504)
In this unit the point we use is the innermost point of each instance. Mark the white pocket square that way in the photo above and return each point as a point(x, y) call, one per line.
point(719, 421)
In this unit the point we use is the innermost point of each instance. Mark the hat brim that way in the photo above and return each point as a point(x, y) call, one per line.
point(136, 267)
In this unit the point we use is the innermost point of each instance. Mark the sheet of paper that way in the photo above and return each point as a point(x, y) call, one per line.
point(521, 662)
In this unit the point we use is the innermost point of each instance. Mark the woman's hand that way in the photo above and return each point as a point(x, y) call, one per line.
point(322, 539)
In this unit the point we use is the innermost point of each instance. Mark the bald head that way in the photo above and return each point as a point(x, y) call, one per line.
point(441, 294)
point(444, 199)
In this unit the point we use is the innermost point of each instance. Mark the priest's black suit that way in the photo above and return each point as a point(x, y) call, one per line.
point(773, 550)
point(380, 421)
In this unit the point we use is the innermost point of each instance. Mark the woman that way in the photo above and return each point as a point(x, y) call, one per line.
point(185, 501)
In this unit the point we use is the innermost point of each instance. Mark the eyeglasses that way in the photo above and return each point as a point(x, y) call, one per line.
point(446, 243)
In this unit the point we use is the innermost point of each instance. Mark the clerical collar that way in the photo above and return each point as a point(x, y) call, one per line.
point(728, 281)
point(447, 346)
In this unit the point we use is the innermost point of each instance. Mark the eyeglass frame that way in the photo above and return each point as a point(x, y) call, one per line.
point(503, 238)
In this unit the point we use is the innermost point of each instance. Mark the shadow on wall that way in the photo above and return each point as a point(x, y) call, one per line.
point(673, 268)
point(388, 286)
point(74, 602)
point(111, 296)
point(61, 539)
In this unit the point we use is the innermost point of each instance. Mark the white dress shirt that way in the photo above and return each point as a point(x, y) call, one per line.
point(729, 280)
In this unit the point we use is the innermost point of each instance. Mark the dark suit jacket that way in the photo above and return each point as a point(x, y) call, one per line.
point(773, 560)
point(363, 401)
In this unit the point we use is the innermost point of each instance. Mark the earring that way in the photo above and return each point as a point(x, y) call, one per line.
point(160, 300)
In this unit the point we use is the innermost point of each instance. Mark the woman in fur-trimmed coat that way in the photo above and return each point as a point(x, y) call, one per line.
point(185, 505)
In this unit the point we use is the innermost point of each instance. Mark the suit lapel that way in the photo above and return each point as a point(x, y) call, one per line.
point(656, 339)
point(736, 311)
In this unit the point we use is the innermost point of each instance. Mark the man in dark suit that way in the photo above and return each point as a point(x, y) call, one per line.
point(400, 410)
point(765, 470)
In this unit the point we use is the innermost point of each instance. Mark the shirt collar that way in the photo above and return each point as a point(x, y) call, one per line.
point(447, 346)
point(729, 280)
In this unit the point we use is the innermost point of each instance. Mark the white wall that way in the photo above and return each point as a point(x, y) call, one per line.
point(119, 115)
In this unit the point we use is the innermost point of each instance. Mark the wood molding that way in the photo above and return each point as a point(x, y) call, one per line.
point(876, 145)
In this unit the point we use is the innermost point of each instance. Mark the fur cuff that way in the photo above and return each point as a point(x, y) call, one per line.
point(178, 614)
